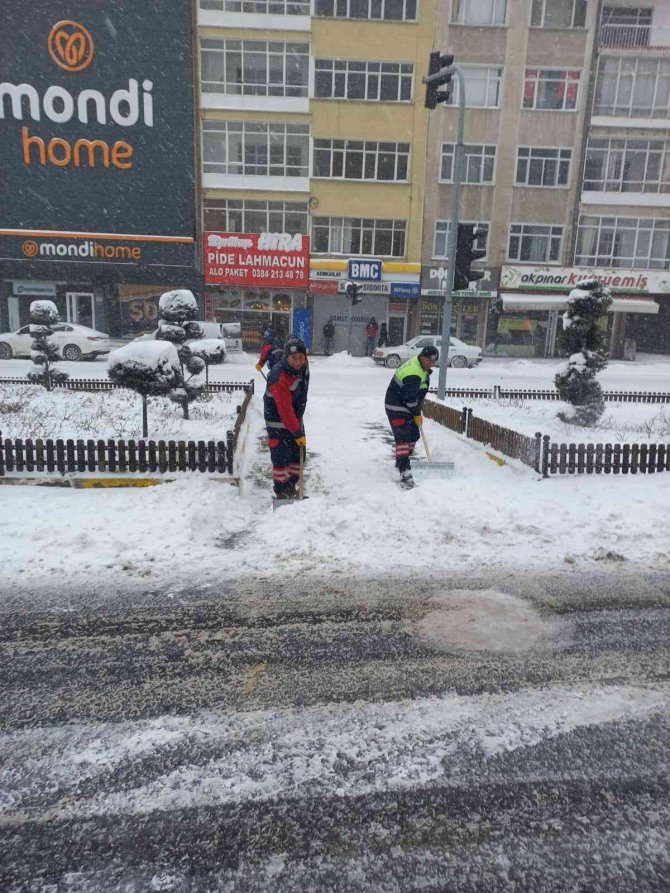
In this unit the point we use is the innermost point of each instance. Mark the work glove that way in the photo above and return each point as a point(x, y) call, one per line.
point(301, 441)
point(418, 420)
point(258, 367)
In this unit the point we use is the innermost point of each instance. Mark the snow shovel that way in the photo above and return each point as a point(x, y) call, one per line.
point(280, 503)
point(430, 469)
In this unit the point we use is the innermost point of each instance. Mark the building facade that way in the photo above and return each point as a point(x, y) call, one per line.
point(565, 164)
point(313, 128)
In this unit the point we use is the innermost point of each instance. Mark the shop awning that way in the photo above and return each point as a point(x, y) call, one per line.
point(515, 301)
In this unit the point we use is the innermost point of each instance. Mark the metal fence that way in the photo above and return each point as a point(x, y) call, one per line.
point(498, 393)
point(103, 384)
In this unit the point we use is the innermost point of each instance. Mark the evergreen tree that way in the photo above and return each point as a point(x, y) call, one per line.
point(44, 353)
point(149, 368)
point(212, 351)
point(586, 345)
point(177, 311)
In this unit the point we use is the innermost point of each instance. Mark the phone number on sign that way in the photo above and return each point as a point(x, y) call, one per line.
point(239, 275)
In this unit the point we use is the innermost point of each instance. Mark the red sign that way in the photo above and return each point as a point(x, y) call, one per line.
point(323, 286)
point(267, 260)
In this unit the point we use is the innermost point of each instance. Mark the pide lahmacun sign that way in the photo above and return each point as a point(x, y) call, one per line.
point(267, 260)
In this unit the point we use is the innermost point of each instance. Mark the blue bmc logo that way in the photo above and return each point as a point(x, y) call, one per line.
point(368, 270)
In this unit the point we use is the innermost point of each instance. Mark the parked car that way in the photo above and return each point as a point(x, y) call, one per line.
point(460, 354)
point(74, 342)
point(229, 333)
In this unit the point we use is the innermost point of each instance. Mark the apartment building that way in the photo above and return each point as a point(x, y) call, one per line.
point(313, 126)
point(566, 167)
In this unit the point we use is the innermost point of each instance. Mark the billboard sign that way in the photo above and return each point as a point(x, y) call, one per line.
point(432, 283)
point(563, 279)
point(260, 260)
point(365, 270)
point(97, 132)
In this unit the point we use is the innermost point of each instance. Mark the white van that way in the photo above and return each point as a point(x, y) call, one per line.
point(230, 333)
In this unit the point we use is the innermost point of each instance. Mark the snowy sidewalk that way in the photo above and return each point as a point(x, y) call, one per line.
point(356, 521)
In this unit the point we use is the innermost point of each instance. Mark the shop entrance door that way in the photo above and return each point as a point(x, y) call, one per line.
point(396, 330)
point(13, 314)
point(81, 308)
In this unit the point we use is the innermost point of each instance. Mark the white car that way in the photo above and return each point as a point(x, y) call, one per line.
point(229, 333)
point(74, 342)
point(460, 354)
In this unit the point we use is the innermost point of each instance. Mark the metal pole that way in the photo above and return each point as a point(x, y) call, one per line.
point(351, 304)
point(448, 280)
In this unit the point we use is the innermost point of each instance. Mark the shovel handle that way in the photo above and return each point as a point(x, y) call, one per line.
point(301, 481)
point(425, 443)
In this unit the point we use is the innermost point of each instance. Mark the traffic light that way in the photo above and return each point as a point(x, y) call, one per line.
point(353, 293)
point(466, 255)
point(440, 73)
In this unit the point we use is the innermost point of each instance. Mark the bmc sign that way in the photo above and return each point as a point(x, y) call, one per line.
point(96, 127)
point(366, 270)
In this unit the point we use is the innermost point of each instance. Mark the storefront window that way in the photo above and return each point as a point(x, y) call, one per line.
point(255, 310)
point(517, 334)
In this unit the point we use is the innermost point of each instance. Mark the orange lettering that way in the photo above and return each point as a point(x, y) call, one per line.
point(90, 146)
point(120, 152)
point(136, 253)
point(67, 153)
point(29, 141)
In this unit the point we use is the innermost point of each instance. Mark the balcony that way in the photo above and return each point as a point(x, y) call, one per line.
point(633, 39)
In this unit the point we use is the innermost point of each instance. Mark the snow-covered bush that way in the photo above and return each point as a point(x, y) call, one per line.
point(44, 353)
point(586, 344)
point(177, 311)
point(212, 351)
point(150, 368)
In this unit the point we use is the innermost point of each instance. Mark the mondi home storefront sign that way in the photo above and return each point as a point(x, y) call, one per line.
point(96, 133)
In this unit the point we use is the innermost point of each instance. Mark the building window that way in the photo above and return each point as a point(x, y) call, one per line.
point(243, 216)
point(551, 88)
point(478, 164)
point(479, 12)
point(375, 10)
point(441, 240)
point(625, 28)
point(259, 7)
point(620, 165)
point(254, 67)
point(632, 87)
point(361, 160)
point(558, 14)
point(367, 81)
point(356, 236)
point(535, 244)
point(542, 167)
point(255, 149)
point(483, 87)
point(626, 242)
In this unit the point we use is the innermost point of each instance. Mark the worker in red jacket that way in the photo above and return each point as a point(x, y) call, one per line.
point(284, 405)
point(371, 336)
point(271, 353)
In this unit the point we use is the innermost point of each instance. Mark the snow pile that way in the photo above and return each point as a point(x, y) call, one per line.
point(156, 355)
point(178, 304)
point(44, 312)
point(211, 350)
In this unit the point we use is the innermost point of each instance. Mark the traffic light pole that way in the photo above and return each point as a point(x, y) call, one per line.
point(448, 280)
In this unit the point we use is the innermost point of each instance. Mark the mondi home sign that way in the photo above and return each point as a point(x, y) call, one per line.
point(96, 131)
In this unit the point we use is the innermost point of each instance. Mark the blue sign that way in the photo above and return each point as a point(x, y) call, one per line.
point(302, 324)
point(365, 270)
point(405, 289)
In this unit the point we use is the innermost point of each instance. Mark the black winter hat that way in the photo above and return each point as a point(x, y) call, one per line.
point(294, 345)
point(431, 353)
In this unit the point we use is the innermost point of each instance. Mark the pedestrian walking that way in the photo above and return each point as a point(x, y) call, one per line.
point(371, 331)
point(271, 352)
point(403, 403)
point(383, 335)
point(284, 405)
point(328, 335)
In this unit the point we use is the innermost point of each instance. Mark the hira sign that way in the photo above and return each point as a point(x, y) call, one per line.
point(97, 123)
point(263, 260)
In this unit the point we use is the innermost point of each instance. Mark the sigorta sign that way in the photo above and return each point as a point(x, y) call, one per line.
point(257, 259)
point(96, 131)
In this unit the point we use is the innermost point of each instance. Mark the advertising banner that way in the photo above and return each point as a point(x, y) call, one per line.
point(630, 282)
point(302, 325)
point(267, 260)
point(432, 278)
point(97, 132)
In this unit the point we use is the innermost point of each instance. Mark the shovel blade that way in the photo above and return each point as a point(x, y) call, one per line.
point(426, 470)
point(280, 503)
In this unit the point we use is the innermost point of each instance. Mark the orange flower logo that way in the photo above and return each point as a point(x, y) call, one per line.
point(70, 46)
point(30, 249)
